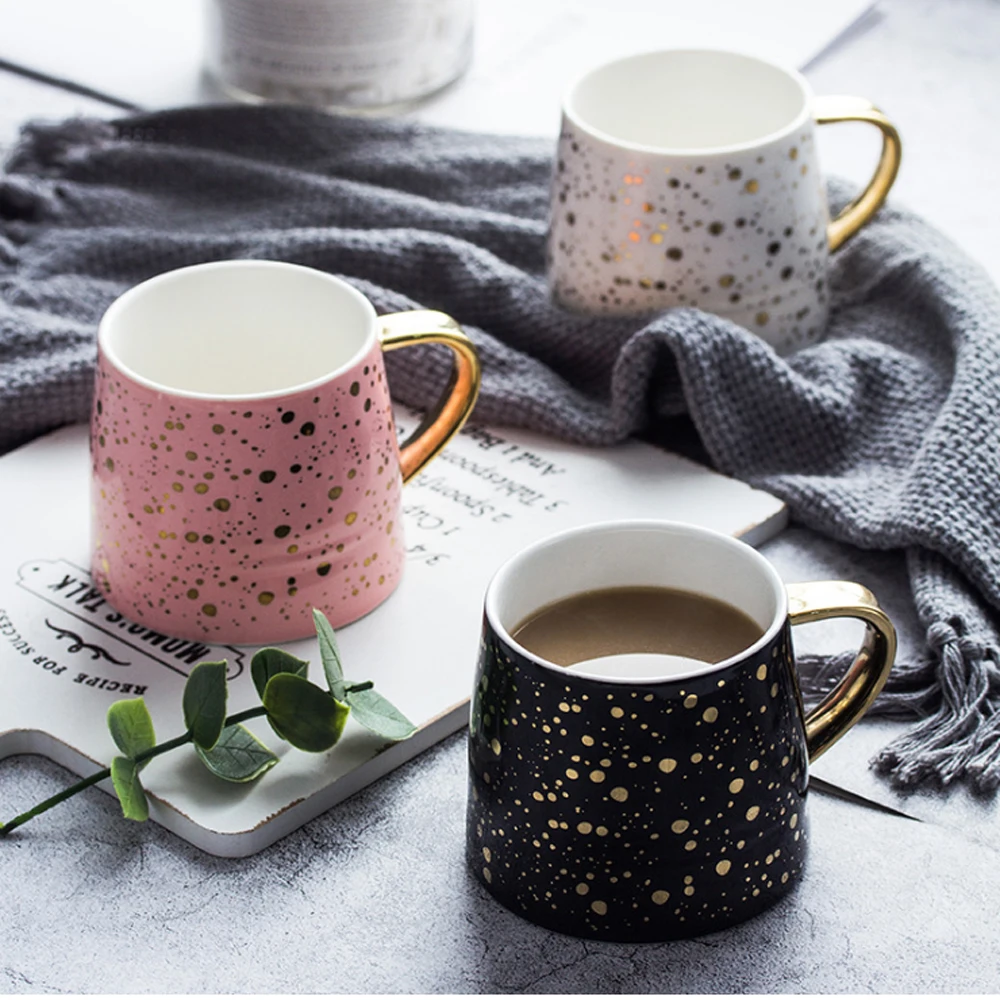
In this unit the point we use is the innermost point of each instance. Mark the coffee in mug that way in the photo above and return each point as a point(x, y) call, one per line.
point(244, 456)
point(636, 630)
point(690, 178)
point(610, 803)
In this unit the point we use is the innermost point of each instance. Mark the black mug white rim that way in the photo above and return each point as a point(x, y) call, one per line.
point(503, 579)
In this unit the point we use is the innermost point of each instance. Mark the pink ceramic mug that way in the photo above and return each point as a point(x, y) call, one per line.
point(245, 463)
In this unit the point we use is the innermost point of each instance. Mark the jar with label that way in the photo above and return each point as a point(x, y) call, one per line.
point(345, 54)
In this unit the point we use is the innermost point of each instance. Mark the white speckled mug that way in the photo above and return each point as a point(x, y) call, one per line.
point(691, 178)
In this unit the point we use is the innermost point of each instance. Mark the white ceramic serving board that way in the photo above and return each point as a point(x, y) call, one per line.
point(66, 655)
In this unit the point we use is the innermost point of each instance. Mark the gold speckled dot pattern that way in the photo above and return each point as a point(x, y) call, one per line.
point(741, 234)
point(205, 510)
point(673, 826)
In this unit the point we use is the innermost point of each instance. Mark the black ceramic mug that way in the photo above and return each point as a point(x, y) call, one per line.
point(646, 808)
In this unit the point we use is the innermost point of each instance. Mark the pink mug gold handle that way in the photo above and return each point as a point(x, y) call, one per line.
point(828, 110)
point(445, 420)
point(858, 688)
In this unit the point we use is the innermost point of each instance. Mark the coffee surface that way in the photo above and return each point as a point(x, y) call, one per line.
point(685, 627)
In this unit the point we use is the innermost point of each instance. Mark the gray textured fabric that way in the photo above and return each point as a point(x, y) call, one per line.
point(885, 435)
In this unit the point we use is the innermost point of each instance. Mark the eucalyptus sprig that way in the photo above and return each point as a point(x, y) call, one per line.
point(299, 712)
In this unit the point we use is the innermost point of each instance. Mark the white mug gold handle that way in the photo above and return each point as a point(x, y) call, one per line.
point(828, 110)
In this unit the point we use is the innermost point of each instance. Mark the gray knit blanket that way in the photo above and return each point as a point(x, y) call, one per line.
point(886, 435)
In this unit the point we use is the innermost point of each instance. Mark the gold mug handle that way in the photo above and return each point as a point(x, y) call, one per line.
point(826, 111)
point(414, 329)
point(858, 688)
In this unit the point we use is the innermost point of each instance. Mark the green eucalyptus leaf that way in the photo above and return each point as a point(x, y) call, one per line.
point(128, 788)
point(238, 755)
point(377, 713)
point(277, 729)
point(205, 703)
point(269, 661)
point(131, 726)
point(306, 715)
point(329, 653)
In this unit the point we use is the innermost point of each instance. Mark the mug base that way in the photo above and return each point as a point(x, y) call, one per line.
point(786, 330)
point(669, 929)
point(299, 625)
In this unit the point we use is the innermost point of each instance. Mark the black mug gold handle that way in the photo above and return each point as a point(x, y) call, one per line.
point(851, 698)
point(834, 108)
point(445, 420)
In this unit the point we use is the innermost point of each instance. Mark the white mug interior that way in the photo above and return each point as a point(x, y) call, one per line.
point(637, 554)
point(688, 100)
point(237, 329)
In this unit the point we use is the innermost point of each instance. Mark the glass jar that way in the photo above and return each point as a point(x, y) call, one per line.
point(342, 54)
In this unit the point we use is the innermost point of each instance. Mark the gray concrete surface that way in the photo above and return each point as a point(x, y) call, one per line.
point(373, 897)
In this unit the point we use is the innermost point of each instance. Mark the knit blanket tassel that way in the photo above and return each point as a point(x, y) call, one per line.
point(956, 690)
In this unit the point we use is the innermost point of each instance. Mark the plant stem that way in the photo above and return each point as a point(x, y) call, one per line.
point(54, 801)
point(363, 686)
point(250, 713)
point(177, 741)
point(160, 748)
